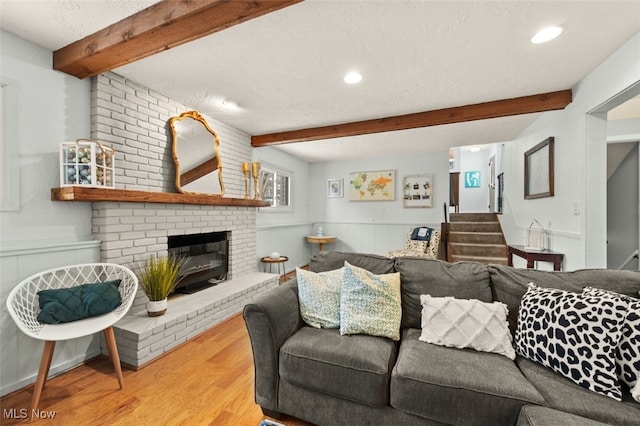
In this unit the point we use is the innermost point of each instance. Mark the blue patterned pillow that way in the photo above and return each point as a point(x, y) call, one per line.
point(370, 303)
point(319, 297)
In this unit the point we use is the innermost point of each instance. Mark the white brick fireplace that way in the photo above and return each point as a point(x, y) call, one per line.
point(133, 120)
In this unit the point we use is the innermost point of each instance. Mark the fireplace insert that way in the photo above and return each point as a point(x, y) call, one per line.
point(206, 259)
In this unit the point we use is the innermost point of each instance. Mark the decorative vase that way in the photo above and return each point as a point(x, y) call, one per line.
point(155, 308)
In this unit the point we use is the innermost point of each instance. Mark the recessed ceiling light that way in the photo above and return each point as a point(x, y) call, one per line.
point(230, 105)
point(547, 34)
point(354, 77)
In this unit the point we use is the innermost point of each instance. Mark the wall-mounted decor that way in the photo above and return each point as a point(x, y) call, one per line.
point(334, 188)
point(472, 179)
point(417, 191)
point(372, 186)
point(87, 162)
point(196, 155)
point(538, 170)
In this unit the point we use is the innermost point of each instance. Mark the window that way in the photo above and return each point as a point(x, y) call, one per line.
point(276, 188)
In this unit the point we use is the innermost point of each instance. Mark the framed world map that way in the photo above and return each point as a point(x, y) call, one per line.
point(372, 186)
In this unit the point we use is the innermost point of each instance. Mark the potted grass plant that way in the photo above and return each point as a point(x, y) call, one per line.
point(159, 277)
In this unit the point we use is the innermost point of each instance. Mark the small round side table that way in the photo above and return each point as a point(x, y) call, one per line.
point(267, 260)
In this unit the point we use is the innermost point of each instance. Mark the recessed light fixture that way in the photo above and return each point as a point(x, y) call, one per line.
point(547, 34)
point(354, 77)
point(230, 105)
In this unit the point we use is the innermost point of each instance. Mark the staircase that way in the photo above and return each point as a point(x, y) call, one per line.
point(476, 237)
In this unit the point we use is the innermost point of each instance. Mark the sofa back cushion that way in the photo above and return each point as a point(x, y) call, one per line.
point(330, 260)
point(462, 280)
point(510, 284)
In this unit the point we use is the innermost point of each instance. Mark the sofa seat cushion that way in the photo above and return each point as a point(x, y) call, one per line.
point(563, 394)
point(357, 367)
point(534, 415)
point(458, 386)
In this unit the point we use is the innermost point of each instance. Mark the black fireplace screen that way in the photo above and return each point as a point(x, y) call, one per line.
point(206, 259)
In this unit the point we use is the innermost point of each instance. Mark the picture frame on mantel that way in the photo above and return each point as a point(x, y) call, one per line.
point(539, 170)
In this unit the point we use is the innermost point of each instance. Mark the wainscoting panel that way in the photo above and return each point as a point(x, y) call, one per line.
point(375, 238)
point(20, 354)
point(288, 240)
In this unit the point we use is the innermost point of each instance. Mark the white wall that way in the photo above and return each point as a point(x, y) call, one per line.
point(284, 231)
point(475, 200)
point(52, 107)
point(375, 226)
point(576, 215)
point(623, 188)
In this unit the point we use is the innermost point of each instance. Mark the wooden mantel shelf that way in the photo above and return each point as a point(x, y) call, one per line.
point(80, 193)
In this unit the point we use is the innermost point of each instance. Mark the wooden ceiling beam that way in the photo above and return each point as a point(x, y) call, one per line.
point(159, 27)
point(495, 109)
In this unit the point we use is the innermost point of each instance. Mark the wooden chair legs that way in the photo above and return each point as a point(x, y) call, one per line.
point(47, 356)
point(110, 338)
point(43, 371)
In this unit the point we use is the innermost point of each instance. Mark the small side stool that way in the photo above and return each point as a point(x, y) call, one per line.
point(279, 262)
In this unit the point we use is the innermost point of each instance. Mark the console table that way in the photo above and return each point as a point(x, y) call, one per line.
point(532, 255)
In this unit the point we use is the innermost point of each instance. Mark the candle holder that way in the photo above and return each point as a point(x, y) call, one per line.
point(255, 172)
point(245, 172)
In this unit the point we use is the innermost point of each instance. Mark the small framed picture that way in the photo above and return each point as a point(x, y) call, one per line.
point(334, 188)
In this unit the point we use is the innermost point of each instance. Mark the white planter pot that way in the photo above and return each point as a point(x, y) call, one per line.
point(156, 308)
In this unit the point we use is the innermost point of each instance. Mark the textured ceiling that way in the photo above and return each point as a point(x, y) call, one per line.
point(285, 69)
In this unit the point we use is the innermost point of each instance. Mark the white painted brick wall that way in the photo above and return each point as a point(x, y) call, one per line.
point(134, 121)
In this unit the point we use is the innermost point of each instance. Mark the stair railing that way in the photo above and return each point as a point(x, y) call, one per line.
point(632, 256)
point(445, 234)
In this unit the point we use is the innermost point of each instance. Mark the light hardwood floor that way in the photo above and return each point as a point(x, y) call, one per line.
point(207, 381)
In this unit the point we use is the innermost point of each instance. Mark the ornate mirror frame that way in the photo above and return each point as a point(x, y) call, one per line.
point(201, 168)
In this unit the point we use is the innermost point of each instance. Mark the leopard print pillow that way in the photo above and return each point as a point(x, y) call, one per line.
point(572, 335)
point(628, 350)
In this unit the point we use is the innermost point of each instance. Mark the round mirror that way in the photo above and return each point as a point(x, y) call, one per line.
point(196, 155)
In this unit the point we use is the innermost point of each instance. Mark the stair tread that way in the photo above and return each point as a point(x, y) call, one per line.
point(466, 223)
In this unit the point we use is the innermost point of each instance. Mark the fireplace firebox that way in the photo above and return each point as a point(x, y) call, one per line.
point(206, 259)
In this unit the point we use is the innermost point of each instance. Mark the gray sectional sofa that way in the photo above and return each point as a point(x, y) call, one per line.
point(327, 379)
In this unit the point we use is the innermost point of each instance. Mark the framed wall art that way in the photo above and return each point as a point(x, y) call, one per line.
point(472, 179)
point(372, 186)
point(334, 188)
point(417, 191)
point(538, 170)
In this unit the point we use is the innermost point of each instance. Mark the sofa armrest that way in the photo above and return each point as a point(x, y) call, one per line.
point(271, 319)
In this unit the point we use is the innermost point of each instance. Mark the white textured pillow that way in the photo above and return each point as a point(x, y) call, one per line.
point(461, 323)
point(319, 297)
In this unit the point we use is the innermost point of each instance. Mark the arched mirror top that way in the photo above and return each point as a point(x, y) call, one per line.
point(196, 155)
